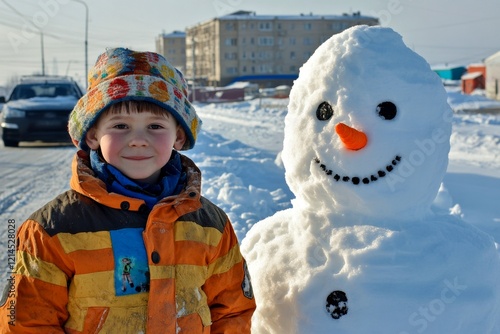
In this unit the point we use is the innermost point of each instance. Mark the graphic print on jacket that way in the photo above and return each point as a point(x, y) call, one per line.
point(131, 262)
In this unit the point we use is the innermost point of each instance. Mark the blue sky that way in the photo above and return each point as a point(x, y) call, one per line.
point(442, 31)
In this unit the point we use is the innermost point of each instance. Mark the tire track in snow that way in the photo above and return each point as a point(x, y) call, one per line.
point(30, 178)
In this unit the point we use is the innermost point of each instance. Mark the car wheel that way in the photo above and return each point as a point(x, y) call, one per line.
point(10, 143)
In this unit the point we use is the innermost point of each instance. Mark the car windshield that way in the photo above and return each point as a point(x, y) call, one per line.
point(29, 91)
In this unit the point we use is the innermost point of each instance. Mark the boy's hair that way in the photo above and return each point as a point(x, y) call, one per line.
point(136, 106)
point(124, 75)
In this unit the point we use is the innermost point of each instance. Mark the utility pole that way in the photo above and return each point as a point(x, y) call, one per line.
point(86, 39)
point(43, 54)
point(194, 68)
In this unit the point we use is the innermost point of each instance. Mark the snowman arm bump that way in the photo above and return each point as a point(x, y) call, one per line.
point(228, 288)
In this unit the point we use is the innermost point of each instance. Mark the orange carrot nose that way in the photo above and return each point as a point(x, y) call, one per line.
point(352, 138)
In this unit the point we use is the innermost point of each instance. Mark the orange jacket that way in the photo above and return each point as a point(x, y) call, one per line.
point(68, 277)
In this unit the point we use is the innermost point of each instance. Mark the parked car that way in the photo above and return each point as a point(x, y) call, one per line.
point(37, 109)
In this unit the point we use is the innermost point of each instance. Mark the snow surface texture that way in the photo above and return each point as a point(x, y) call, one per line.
point(367, 253)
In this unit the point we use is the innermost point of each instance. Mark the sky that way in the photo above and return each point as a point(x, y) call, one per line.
point(456, 32)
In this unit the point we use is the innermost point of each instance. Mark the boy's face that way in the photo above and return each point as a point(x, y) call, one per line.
point(139, 144)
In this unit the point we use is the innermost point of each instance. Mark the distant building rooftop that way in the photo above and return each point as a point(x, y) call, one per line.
point(494, 58)
point(445, 67)
point(245, 15)
point(175, 33)
point(472, 75)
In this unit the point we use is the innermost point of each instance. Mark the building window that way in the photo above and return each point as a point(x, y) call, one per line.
point(340, 26)
point(292, 41)
point(265, 26)
point(265, 68)
point(266, 41)
point(230, 42)
point(292, 55)
point(293, 69)
point(230, 55)
point(307, 41)
point(307, 55)
point(265, 55)
point(231, 70)
point(308, 26)
point(229, 26)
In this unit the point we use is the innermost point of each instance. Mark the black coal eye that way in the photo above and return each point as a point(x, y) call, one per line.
point(387, 110)
point(324, 111)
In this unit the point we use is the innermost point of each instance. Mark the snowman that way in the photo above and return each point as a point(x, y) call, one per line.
point(361, 250)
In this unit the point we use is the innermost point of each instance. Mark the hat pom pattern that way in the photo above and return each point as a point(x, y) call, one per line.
point(126, 75)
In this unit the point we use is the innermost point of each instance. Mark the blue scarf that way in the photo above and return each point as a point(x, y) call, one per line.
point(172, 180)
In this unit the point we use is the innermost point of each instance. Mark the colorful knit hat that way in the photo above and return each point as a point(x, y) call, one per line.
point(126, 75)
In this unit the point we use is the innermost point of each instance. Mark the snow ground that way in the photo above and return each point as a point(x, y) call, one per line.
point(238, 153)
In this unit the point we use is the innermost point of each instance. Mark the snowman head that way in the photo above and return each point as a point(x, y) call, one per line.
point(367, 130)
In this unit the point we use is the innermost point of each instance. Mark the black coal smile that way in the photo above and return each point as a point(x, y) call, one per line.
point(356, 179)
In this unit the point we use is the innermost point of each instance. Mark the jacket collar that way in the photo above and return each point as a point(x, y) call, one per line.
point(85, 182)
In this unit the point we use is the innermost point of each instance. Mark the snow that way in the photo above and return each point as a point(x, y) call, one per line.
point(473, 102)
point(239, 153)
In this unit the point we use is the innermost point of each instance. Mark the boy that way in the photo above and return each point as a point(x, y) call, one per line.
point(133, 247)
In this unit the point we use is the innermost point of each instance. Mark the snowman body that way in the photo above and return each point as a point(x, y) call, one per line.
point(360, 251)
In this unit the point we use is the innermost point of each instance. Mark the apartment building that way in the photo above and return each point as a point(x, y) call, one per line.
point(492, 64)
point(173, 47)
point(264, 49)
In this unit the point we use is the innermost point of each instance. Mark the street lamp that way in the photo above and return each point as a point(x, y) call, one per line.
point(193, 86)
point(86, 39)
